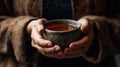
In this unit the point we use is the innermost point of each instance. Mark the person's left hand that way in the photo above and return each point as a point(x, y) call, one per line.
point(79, 47)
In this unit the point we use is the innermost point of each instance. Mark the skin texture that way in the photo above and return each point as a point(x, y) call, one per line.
point(45, 47)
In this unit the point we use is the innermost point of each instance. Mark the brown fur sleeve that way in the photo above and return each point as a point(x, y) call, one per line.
point(14, 38)
point(107, 38)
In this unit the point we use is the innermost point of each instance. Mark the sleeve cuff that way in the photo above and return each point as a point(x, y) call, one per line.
point(19, 38)
point(102, 43)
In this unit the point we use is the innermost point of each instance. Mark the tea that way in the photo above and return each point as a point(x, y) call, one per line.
point(61, 27)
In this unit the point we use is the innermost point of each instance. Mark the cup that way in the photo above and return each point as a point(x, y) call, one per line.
point(62, 32)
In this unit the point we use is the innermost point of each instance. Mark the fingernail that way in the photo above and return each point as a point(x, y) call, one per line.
point(49, 44)
point(71, 45)
point(57, 48)
point(81, 28)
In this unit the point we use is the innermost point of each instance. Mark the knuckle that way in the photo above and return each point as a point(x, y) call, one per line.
point(41, 21)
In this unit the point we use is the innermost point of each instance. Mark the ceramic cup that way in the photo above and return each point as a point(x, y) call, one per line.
point(62, 32)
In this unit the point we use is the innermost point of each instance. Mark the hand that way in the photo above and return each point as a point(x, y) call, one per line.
point(45, 47)
point(79, 47)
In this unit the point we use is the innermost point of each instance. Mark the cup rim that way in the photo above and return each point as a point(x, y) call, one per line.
point(63, 21)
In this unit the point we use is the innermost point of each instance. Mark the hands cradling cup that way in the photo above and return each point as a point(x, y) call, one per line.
point(47, 48)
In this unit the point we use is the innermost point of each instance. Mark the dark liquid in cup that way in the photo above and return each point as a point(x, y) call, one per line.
point(61, 27)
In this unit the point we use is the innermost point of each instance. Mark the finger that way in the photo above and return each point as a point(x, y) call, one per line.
point(54, 53)
point(41, 23)
point(84, 25)
point(85, 40)
point(37, 47)
point(45, 51)
point(34, 35)
point(40, 26)
point(42, 20)
point(38, 35)
point(37, 38)
point(51, 50)
point(45, 43)
point(80, 43)
point(48, 52)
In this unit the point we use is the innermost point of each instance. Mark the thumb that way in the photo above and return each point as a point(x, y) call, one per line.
point(84, 25)
point(40, 25)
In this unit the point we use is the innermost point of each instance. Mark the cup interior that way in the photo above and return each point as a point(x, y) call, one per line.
point(61, 25)
point(62, 32)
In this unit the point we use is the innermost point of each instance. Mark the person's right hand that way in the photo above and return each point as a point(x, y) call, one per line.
point(45, 47)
